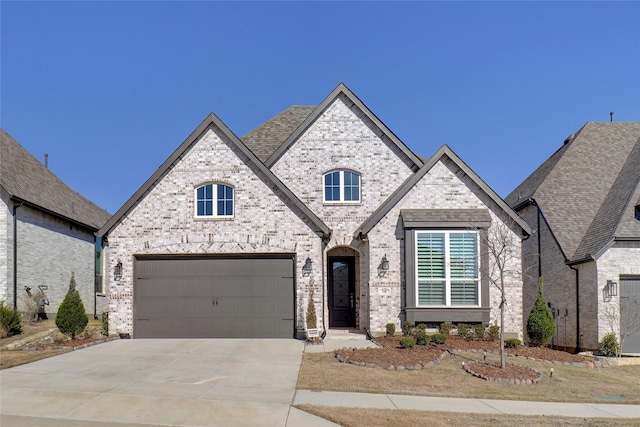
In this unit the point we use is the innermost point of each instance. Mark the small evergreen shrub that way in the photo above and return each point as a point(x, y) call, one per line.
point(407, 342)
point(609, 345)
point(312, 320)
point(512, 343)
point(465, 331)
point(479, 332)
point(72, 318)
point(10, 320)
point(540, 324)
point(391, 329)
point(438, 338)
point(421, 336)
point(445, 328)
point(105, 323)
point(493, 333)
point(407, 328)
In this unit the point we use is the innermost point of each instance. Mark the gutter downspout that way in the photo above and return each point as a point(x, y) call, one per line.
point(323, 246)
point(15, 255)
point(577, 350)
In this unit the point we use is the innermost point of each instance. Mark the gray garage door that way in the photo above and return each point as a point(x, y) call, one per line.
point(214, 298)
point(630, 314)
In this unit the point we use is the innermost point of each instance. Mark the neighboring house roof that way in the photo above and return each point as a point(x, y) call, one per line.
point(266, 138)
point(30, 182)
point(585, 188)
point(399, 194)
point(319, 227)
point(341, 89)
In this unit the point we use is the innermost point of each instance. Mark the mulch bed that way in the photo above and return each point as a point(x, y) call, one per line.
point(392, 356)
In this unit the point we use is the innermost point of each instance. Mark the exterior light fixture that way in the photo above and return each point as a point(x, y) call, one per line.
point(384, 265)
point(307, 267)
point(611, 289)
point(117, 271)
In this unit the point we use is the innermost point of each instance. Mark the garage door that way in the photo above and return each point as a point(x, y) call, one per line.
point(214, 298)
point(630, 314)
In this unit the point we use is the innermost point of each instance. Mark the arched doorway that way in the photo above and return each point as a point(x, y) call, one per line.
point(342, 280)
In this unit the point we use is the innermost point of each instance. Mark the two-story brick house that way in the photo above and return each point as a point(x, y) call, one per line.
point(229, 235)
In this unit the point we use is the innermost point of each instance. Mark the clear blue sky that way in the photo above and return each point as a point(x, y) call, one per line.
point(110, 89)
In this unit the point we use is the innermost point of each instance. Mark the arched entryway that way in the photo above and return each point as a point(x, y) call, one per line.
point(343, 280)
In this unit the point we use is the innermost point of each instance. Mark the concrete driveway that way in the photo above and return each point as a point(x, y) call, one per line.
point(178, 382)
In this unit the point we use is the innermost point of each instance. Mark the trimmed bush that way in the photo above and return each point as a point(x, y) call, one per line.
point(312, 321)
point(609, 345)
point(493, 333)
point(512, 343)
point(391, 329)
point(445, 328)
point(407, 328)
point(421, 337)
point(10, 320)
point(479, 332)
point(407, 342)
point(540, 324)
point(465, 331)
point(105, 323)
point(438, 338)
point(72, 318)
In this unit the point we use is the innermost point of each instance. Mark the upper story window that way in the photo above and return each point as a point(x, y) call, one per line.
point(342, 186)
point(447, 268)
point(214, 200)
point(637, 211)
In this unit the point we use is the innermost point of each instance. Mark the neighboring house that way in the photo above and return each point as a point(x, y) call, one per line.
point(229, 235)
point(584, 205)
point(47, 232)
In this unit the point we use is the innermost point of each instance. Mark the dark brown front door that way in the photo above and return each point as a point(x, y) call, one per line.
point(342, 297)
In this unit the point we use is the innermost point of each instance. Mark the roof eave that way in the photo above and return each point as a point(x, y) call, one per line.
point(24, 202)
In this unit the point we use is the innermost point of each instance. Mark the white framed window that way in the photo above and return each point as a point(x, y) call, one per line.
point(341, 186)
point(214, 200)
point(447, 273)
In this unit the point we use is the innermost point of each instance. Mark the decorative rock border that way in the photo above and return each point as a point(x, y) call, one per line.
point(515, 381)
point(416, 367)
point(587, 364)
point(69, 347)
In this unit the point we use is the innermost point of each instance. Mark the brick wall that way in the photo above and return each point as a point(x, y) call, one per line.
point(163, 223)
point(6, 248)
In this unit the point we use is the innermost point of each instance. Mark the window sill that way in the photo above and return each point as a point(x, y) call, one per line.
point(342, 203)
point(214, 218)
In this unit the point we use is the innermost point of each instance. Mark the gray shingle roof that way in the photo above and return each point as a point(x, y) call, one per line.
point(28, 180)
point(586, 188)
point(266, 138)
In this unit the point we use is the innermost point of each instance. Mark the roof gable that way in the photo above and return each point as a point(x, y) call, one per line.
point(248, 157)
point(29, 181)
point(403, 190)
point(264, 140)
point(341, 89)
point(586, 186)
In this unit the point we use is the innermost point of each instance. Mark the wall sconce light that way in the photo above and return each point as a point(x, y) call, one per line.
point(117, 271)
point(610, 290)
point(383, 267)
point(307, 267)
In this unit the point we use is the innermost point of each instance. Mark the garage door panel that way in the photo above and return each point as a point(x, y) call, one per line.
point(199, 298)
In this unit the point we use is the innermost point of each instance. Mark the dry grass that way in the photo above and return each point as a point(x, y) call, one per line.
point(321, 371)
point(11, 358)
point(359, 417)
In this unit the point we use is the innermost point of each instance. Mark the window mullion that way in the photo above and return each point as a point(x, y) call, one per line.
point(447, 269)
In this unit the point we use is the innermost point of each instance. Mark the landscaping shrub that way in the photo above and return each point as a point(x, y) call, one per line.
point(479, 332)
point(438, 338)
point(391, 329)
point(421, 336)
point(407, 342)
point(312, 321)
point(10, 320)
point(512, 343)
point(72, 318)
point(609, 345)
point(445, 328)
point(540, 324)
point(493, 333)
point(105, 323)
point(407, 328)
point(465, 331)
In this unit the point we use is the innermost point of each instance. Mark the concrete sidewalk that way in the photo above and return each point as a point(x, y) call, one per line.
point(449, 404)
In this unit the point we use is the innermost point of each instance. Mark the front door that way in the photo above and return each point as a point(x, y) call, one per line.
point(342, 295)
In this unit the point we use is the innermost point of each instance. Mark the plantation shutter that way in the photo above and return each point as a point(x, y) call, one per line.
point(463, 249)
point(431, 265)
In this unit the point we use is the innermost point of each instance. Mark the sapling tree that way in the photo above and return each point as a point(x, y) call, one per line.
point(72, 319)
